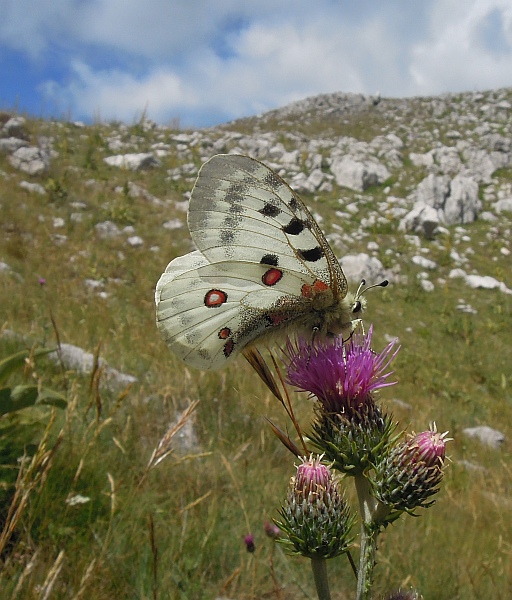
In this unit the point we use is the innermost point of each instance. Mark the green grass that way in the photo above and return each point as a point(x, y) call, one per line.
point(453, 368)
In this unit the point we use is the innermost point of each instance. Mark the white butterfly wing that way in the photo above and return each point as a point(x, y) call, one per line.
point(241, 210)
point(207, 312)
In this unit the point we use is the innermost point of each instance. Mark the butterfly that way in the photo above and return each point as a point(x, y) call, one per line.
point(263, 268)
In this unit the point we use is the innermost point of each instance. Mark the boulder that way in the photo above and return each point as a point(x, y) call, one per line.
point(133, 162)
point(356, 174)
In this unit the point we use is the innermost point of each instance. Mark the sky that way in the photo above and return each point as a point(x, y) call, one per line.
point(197, 63)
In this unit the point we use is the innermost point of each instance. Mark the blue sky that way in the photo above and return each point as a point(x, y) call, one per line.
point(203, 62)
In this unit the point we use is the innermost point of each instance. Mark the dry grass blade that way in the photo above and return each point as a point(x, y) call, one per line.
point(196, 502)
point(29, 479)
point(53, 573)
point(164, 447)
point(85, 580)
point(94, 383)
point(257, 362)
point(29, 567)
point(154, 552)
point(236, 484)
point(284, 438)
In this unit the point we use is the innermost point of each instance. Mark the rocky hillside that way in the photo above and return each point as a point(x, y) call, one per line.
point(415, 166)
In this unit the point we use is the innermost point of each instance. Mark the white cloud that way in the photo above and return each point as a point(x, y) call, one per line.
point(454, 57)
point(28, 25)
point(207, 60)
point(119, 95)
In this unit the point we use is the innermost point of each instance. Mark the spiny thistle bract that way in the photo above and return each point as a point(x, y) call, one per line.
point(410, 474)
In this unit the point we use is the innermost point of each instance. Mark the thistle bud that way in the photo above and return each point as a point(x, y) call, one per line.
point(412, 472)
point(272, 530)
point(431, 447)
point(315, 515)
point(313, 476)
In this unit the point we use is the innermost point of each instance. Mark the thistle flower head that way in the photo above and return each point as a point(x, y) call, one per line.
point(312, 477)
point(429, 447)
point(341, 375)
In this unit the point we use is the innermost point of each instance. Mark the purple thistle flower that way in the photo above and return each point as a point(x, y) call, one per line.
point(312, 475)
point(341, 375)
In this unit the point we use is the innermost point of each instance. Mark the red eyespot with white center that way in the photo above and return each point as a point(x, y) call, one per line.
point(215, 298)
point(272, 276)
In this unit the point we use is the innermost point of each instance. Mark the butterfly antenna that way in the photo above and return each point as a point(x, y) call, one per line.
point(361, 290)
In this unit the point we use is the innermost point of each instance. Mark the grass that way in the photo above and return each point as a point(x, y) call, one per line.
point(177, 532)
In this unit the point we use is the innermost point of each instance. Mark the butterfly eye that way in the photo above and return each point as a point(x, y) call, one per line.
point(357, 307)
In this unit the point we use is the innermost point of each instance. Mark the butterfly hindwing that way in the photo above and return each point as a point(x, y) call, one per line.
point(208, 312)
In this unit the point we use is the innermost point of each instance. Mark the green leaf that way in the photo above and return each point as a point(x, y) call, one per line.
point(23, 396)
point(52, 398)
point(12, 399)
point(15, 361)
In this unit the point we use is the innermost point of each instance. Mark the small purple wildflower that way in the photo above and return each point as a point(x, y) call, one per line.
point(341, 375)
point(249, 543)
point(42, 281)
point(272, 530)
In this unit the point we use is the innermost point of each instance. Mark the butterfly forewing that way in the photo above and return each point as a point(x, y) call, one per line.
point(242, 210)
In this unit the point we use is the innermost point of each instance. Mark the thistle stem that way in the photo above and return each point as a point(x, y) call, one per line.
point(368, 505)
point(319, 566)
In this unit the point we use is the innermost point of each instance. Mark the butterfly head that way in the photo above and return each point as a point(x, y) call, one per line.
point(358, 304)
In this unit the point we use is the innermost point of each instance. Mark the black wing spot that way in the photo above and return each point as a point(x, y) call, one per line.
point(272, 180)
point(294, 227)
point(311, 255)
point(270, 210)
point(270, 259)
point(227, 237)
point(294, 204)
